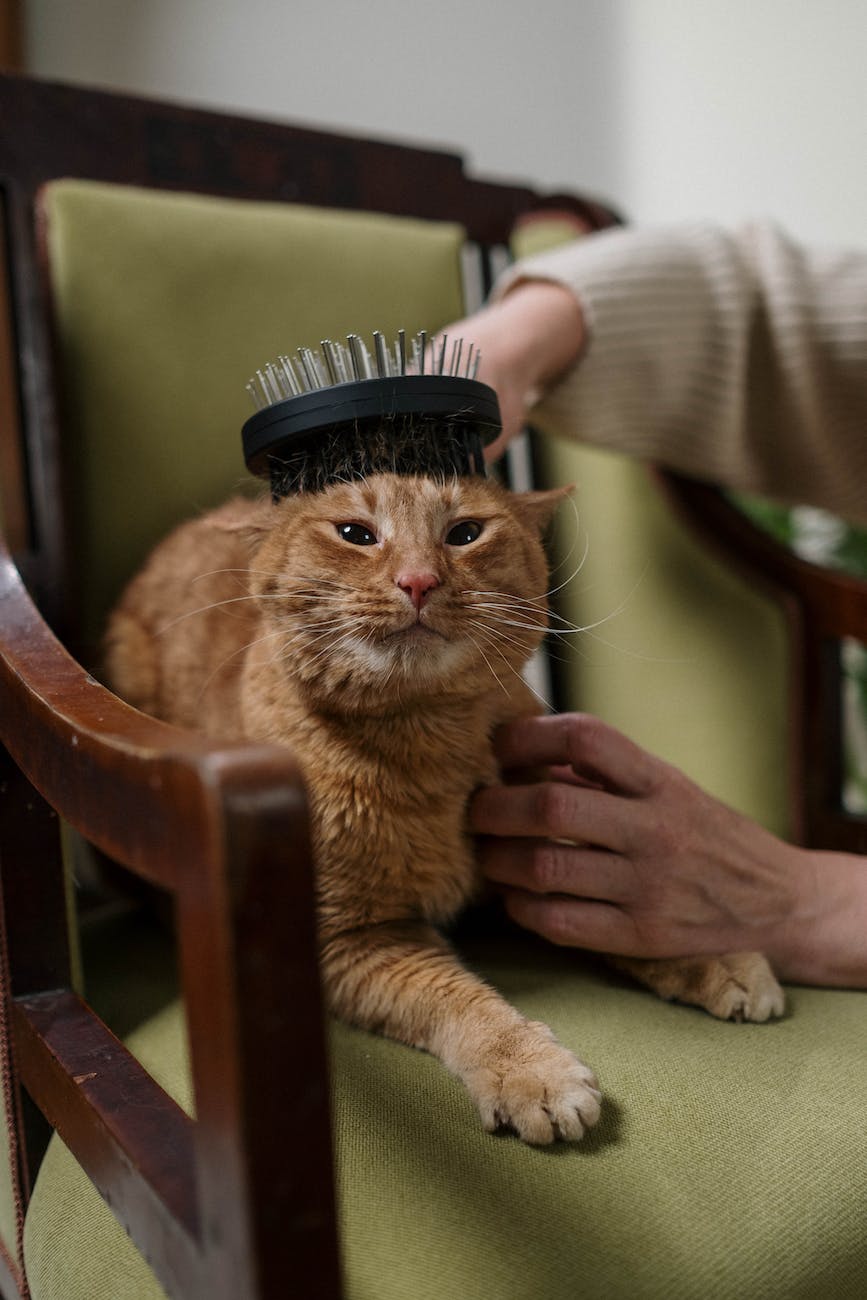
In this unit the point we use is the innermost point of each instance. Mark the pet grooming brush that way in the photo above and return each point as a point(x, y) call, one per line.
point(340, 413)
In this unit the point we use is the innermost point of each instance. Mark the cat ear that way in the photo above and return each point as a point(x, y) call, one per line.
point(247, 520)
point(538, 508)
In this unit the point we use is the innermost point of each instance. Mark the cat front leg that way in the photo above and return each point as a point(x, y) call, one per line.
point(403, 980)
point(736, 986)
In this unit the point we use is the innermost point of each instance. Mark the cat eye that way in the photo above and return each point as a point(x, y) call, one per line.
point(356, 533)
point(463, 533)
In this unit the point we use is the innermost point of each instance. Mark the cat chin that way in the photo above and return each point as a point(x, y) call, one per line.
point(416, 653)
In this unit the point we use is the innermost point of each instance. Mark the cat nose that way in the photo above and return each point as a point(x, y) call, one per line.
point(418, 586)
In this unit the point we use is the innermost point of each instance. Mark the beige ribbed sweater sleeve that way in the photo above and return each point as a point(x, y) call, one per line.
point(740, 358)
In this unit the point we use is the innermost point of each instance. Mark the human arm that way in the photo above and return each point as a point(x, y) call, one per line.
point(740, 358)
point(527, 340)
point(655, 867)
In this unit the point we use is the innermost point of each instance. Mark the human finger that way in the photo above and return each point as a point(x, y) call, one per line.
point(545, 867)
point(571, 922)
point(589, 746)
point(561, 772)
point(554, 810)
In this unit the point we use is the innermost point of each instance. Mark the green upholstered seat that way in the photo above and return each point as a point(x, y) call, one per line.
point(729, 1161)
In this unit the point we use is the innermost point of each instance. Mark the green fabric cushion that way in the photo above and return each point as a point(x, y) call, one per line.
point(166, 304)
point(8, 1207)
point(680, 653)
point(729, 1162)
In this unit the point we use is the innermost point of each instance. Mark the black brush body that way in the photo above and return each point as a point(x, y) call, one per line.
point(429, 424)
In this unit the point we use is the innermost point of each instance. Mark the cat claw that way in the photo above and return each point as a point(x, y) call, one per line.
point(749, 993)
point(543, 1094)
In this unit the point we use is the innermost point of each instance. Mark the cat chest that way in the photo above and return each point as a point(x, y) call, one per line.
point(397, 854)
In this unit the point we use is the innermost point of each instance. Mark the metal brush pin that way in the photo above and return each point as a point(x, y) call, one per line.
point(341, 412)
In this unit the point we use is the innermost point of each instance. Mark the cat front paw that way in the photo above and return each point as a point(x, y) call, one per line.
point(532, 1085)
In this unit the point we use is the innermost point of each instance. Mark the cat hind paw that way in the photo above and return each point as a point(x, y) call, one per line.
point(747, 991)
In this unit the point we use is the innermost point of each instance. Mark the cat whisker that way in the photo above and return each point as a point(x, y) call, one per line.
point(215, 573)
point(202, 609)
point(571, 629)
point(228, 659)
point(503, 688)
point(313, 633)
point(538, 627)
point(568, 556)
point(289, 643)
point(502, 595)
point(490, 607)
point(309, 632)
point(320, 625)
point(235, 600)
point(636, 654)
point(315, 580)
point(503, 636)
point(492, 638)
point(496, 634)
point(548, 707)
point(525, 625)
point(606, 618)
point(509, 607)
point(332, 644)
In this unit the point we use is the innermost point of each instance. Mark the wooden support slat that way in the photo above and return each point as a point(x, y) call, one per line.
point(128, 1134)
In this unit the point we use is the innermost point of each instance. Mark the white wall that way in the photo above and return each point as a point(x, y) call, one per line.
point(747, 107)
point(670, 108)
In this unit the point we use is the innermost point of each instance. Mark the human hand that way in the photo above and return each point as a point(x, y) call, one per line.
point(525, 341)
point(619, 852)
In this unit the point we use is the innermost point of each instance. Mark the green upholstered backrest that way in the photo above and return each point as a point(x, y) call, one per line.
point(166, 303)
point(680, 652)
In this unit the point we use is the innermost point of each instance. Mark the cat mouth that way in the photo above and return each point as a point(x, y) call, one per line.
point(415, 632)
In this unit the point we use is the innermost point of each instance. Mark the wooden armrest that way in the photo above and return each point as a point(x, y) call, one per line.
point(823, 607)
point(831, 601)
point(221, 1206)
point(105, 767)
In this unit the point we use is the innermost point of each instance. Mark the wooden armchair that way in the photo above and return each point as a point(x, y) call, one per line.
point(211, 1201)
point(232, 1193)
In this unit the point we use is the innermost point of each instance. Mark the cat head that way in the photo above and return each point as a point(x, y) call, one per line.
point(383, 590)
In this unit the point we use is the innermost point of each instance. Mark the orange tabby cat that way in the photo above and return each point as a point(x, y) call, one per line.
point(379, 629)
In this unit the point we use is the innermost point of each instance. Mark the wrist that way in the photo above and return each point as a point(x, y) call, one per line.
point(542, 329)
point(825, 939)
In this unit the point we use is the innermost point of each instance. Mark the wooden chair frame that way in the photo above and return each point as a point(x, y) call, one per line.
point(240, 1200)
point(823, 607)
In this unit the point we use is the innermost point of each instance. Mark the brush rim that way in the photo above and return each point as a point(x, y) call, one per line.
point(276, 428)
